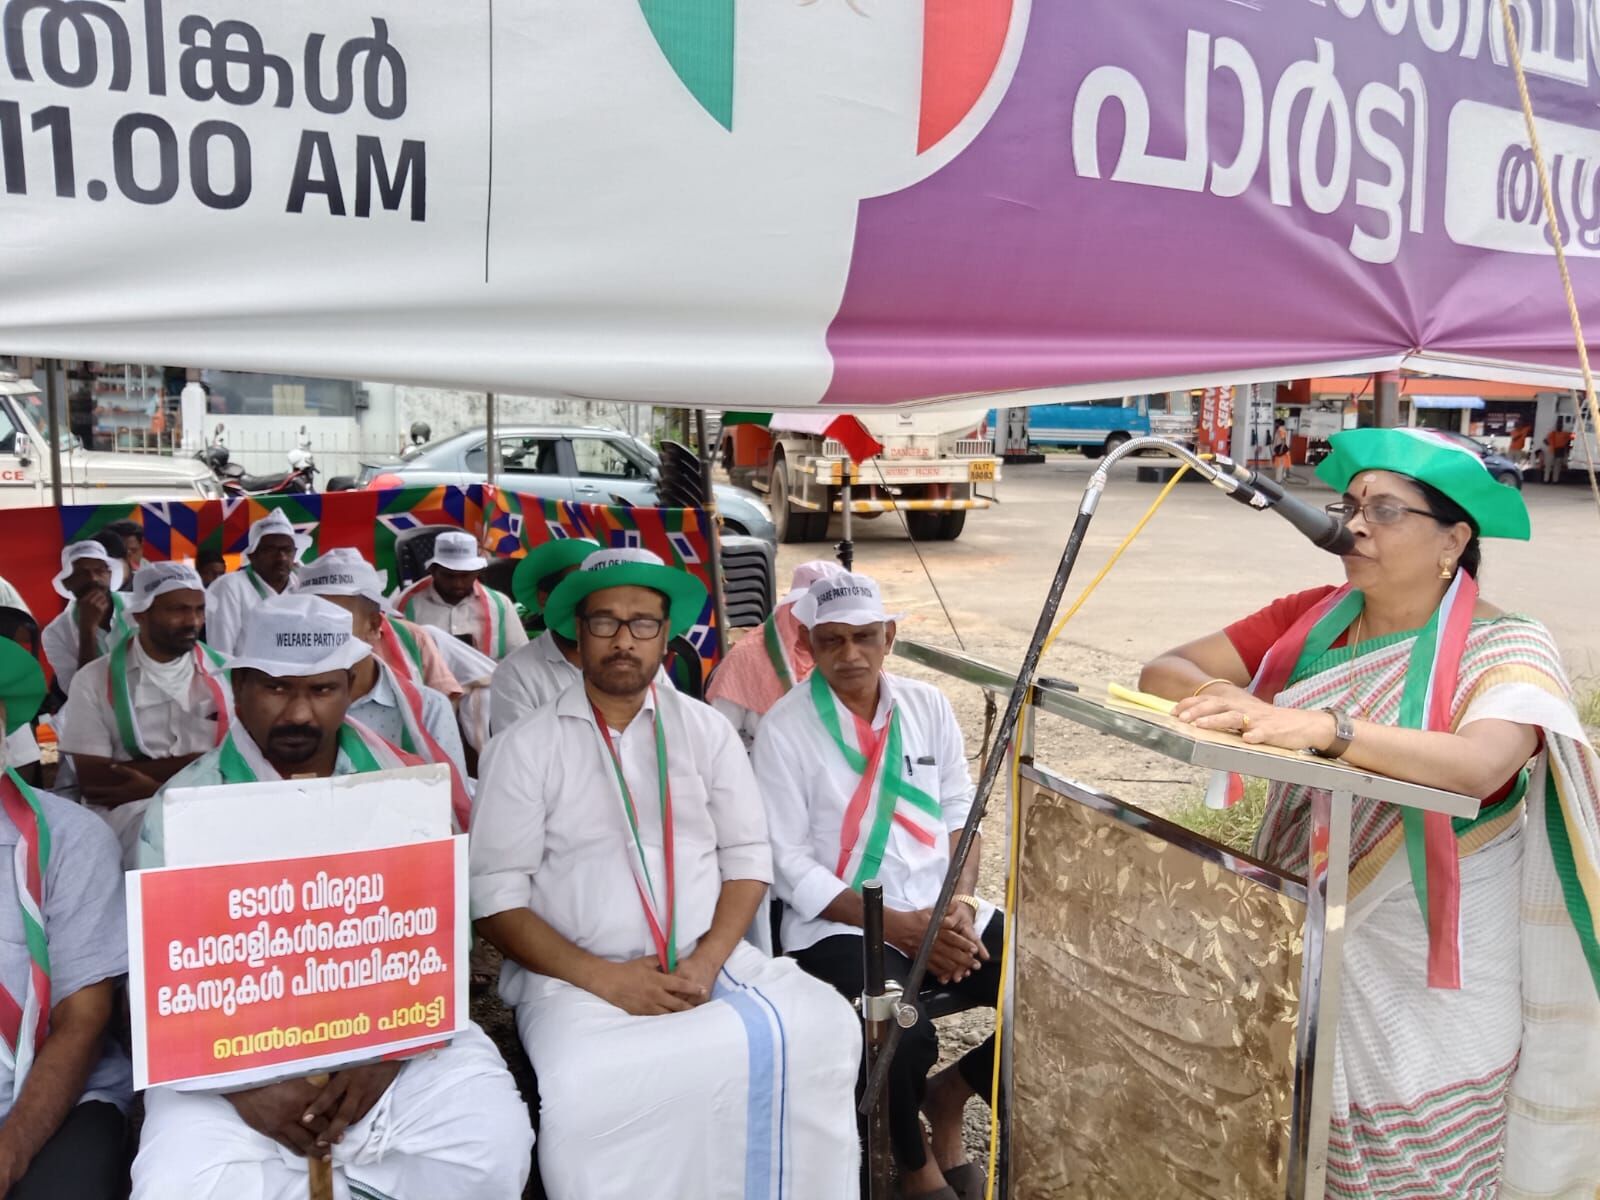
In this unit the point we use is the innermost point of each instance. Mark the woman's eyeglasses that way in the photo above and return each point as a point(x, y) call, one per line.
point(1377, 512)
point(602, 626)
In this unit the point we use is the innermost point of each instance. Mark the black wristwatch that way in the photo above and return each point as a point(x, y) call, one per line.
point(1344, 732)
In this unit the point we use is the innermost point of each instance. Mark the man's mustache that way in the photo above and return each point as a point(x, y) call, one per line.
point(294, 731)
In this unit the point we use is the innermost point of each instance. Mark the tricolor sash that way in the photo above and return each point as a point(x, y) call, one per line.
point(240, 760)
point(1426, 700)
point(23, 1026)
point(492, 614)
point(120, 694)
point(878, 758)
point(415, 738)
point(121, 625)
point(661, 917)
point(401, 649)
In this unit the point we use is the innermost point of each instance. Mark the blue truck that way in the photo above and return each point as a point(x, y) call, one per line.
point(1096, 427)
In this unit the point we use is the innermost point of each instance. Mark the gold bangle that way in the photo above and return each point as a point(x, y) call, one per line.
point(972, 900)
point(1209, 683)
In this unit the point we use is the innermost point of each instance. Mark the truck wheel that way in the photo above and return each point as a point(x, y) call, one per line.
point(926, 526)
point(795, 525)
point(954, 523)
point(1113, 441)
point(1091, 451)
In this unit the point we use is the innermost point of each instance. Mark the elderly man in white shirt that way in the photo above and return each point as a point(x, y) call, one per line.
point(534, 674)
point(408, 714)
point(453, 600)
point(271, 552)
point(865, 776)
point(619, 852)
point(91, 581)
point(139, 714)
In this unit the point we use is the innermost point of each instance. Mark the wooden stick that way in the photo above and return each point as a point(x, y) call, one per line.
point(320, 1171)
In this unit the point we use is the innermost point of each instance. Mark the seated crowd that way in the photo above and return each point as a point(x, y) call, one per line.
point(624, 840)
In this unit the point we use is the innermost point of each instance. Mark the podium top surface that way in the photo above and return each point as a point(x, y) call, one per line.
point(1199, 747)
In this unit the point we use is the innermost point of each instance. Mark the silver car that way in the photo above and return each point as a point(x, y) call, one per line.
point(554, 462)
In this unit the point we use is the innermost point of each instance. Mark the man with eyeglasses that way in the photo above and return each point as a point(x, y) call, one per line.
point(619, 852)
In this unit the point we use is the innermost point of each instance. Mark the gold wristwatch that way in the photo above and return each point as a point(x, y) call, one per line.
point(972, 900)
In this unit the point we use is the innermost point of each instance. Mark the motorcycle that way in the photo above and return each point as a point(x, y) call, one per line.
point(301, 477)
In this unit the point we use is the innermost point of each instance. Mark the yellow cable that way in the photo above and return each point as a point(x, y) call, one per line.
point(1013, 830)
point(1555, 239)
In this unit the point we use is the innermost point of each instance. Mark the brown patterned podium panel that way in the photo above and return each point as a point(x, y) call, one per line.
point(1157, 994)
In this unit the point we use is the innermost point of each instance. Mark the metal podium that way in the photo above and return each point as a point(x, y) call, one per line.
point(1173, 1003)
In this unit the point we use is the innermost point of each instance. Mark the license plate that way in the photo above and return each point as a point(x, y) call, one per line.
point(980, 472)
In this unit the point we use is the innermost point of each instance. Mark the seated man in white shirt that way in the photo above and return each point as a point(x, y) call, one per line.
point(452, 599)
point(447, 1123)
point(408, 714)
point(65, 1086)
point(139, 714)
point(90, 579)
point(865, 777)
point(533, 675)
point(270, 552)
point(618, 853)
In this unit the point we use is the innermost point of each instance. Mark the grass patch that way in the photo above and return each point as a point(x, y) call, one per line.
point(1234, 827)
point(1587, 692)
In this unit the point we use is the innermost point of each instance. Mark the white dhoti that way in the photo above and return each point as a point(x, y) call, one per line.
point(751, 1095)
point(452, 1125)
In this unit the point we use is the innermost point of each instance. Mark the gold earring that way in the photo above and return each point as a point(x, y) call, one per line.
point(1447, 569)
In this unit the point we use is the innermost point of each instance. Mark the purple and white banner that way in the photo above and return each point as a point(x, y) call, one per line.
point(780, 203)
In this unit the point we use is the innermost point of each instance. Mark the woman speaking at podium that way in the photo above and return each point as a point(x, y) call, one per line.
point(1468, 1054)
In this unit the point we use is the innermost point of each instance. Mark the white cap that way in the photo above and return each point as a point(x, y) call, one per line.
point(457, 551)
point(73, 553)
point(846, 599)
point(807, 573)
point(276, 523)
point(295, 635)
point(158, 578)
point(343, 572)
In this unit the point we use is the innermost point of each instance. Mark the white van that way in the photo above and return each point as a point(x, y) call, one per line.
point(88, 476)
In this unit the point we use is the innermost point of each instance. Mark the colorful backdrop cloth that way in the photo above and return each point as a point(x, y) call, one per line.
point(740, 204)
point(508, 525)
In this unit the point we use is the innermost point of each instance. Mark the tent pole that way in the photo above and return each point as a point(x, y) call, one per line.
point(53, 420)
point(491, 447)
point(847, 547)
point(719, 598)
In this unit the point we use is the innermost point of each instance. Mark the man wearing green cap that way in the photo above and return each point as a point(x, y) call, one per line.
point(536, 673)
point(619, 852)
point(1471, 1010)
point(64, 1086)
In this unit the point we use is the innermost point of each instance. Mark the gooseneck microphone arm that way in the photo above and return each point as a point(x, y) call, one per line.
point(1239, 482)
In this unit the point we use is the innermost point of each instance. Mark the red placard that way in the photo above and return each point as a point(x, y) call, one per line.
point(248, 970)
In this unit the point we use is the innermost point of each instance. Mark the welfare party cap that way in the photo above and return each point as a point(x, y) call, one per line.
point(808, 573)
point(343, 572)
point(276, 523)
point(457, 551)
point(686, 595)
point(846, 599)
point(296, 635)
point(158, 578)
point(540, 563)
point(21, 685)
point(74, 553)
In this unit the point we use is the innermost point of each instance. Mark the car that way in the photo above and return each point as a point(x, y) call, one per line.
point(1501, 467)
point(555, 462)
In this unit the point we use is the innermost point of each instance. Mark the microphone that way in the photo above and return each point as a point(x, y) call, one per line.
point(1326, 532)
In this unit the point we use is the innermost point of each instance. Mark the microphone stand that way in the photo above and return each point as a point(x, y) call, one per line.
point(1008, 724)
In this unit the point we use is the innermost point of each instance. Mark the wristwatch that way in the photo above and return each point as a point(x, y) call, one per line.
point(1344, 732)
point(970, 900)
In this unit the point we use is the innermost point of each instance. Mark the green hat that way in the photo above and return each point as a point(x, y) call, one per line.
point(544, 561)
point(21, 684)
point(686, 595)
point(1421, 454)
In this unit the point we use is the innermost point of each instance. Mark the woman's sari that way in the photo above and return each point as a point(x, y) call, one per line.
point(1491, 1089)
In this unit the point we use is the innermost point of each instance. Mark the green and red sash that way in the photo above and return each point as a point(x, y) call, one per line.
point(777, 653)
point(878, 758)
point(23, 1026)
point(240, 760)
point(120, 694)
point(415, 738)
point(401, 650)
point(1425, 703)
point(663, 921)
point(491, 615)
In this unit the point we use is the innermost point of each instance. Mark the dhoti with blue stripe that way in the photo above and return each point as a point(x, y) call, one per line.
point(750, 1096)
